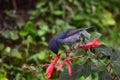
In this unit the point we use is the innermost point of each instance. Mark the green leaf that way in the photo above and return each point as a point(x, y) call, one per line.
point(23, 33)
point(43, 29)
point(99, 65)
point(82, 78)
point(77, 71)
point(60, 22)
point(86, 35)
point(103, 49)
point(103, 75)
point(7, 49)
point(115, 61)
point(41, 33)
point(107, 18)
point(10, 13)
point(33, 57)
point(28, 28)
point(5, 33)
point(79, 17)
point(95, 35)
point(89, 77)
point(41, 55)
point(32, 67)
point(1, 46)
point(86, 69)
point(58, 12)
point(29, 39)
point(14, 35)
point(40, 4)
point(16, 53)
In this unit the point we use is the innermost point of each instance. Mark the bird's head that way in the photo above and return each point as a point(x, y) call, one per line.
point(53, 46)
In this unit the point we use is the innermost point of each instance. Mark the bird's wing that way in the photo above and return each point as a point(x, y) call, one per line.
point(69, 39)
point(74, 31)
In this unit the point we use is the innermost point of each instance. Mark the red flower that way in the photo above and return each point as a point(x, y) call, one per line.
point(90, 44)
point(60, 65)
point(50, 68)
point(93, 43)
point(68, 62)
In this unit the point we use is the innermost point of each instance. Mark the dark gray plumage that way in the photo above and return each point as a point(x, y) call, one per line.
point(65, 38)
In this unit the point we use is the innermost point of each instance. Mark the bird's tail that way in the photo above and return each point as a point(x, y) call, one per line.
point(88, 27)
point(85, 28)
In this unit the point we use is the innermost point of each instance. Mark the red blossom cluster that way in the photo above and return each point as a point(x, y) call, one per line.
point(50, 68)
point(66, 60)
point(90, 44)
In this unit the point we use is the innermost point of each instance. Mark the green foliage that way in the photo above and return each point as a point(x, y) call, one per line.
point(28, 29)
point(78, 70)
point(103, 75)
point(103, 49)
point(27, 43)
point(95, 64)
point(115, 63)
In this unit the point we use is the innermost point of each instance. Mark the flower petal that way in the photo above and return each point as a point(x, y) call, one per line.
point(93, 43)
point(68, 62)
point(69, 69)
point(49, 70)
point(56, 59)
point(60, 65)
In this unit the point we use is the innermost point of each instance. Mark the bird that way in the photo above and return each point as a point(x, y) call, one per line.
point(66, 37)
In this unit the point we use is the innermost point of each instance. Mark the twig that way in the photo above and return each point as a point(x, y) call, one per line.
point(14, 4)
point(76, 57)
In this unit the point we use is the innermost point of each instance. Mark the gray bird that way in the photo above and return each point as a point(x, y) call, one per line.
point(67, 37)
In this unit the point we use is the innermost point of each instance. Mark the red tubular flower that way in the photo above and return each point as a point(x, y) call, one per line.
point(60, 65)
point(90, 44)
point(50, 68)
point(56, 59)
point(68, 62)
point(93, 43)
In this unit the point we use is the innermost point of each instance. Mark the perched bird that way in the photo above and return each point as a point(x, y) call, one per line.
point(65, 38)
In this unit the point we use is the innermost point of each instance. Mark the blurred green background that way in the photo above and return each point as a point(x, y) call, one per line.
point(26, 26)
